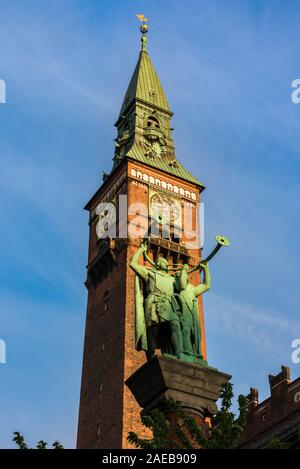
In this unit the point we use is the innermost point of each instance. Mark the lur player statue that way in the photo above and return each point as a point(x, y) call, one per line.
point(166, 305)
point(157, 312)
point(186, 296)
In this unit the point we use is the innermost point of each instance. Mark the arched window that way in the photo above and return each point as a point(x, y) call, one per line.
point(152, 122)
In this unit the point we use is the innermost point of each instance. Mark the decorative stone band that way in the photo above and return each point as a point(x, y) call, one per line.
point(163, 184)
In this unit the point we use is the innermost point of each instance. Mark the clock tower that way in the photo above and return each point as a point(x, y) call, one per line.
point(145, 174)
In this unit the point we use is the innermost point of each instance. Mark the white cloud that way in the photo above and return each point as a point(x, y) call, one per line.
point(268, 331)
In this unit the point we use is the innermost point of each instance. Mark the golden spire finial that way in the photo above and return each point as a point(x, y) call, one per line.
point(143, 29)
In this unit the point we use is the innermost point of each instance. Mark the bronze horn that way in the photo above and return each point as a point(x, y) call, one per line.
point(221, 241)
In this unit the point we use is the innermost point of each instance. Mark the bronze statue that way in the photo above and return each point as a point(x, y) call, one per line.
point(186, 296)
point(166, 306)
point(157, 312)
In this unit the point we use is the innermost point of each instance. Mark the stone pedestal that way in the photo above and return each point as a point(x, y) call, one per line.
point(195, 387)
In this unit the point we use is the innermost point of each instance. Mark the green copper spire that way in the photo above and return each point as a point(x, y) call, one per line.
point(144, 84)
point(144, 122)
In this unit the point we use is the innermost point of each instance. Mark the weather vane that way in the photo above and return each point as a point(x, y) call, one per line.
point(144, 21)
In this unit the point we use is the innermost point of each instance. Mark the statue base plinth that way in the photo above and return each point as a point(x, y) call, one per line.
point(195, 387)
point(187, 357)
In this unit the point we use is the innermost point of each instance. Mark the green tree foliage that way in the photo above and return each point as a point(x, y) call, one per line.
point(19, 440)
point(275, 443)
point(225, 431)
point(21, 443)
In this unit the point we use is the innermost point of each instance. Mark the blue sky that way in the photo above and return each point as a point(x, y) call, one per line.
point(227, 68)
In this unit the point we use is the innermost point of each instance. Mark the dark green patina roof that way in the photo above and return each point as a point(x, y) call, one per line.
point(143, 85)
point(166, 164)
point(145, 78)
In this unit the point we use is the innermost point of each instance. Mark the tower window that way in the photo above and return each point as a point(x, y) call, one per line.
point(174, 164)
point(152, 122)
point(106, 302)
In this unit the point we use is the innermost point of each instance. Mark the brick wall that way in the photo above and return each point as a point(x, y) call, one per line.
point(108, 411)
point(278, 416)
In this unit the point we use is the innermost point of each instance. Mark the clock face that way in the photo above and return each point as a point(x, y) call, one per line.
point(165, 209)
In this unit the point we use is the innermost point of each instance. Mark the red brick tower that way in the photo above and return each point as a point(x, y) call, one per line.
point(145, 168)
